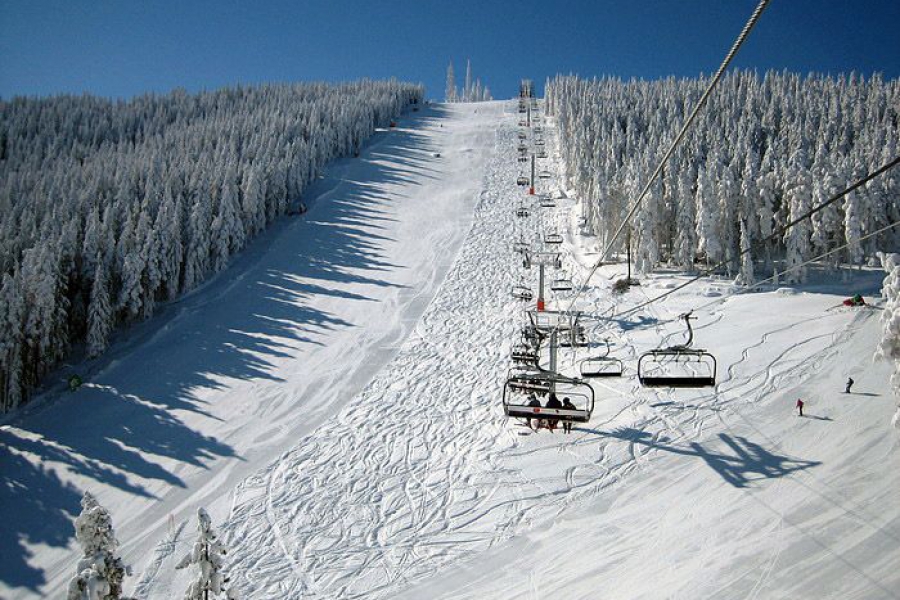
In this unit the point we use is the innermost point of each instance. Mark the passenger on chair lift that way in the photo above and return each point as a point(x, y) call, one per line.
point(533, 401)
point(553, 402)
point(567, 425)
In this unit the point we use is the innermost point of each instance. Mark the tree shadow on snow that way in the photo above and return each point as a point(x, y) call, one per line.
point(740, 462)
point(264, 308)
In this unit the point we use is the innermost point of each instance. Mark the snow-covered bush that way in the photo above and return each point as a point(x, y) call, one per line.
point(889, 348)
point(208, 556)
point(100, 572)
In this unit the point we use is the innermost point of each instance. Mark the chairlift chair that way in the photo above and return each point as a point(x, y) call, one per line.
point(522, 135)
point(521, 246)
point(547, 202)
point(541, 154)
point(544, 175)
point(561, 284)
point(522, 158)
point(524, 354)
point(602, 365)
point(520, 384)
point(522, 292)
point(521, 180)
point(522, 211)
point(553, 238)
point(548, 259)
point(678, 366)
point(537, 129)
point(538, 142)
point(576, 337)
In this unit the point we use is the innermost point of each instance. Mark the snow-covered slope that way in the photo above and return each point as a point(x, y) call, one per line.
point(234, 375)
point(347, 433)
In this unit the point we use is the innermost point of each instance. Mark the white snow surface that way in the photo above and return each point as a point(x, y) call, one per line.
point(333, 400)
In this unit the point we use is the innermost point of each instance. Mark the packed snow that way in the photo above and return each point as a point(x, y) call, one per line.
point(333, 401)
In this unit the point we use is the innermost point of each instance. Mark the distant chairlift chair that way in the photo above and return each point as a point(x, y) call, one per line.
point(603, 365)
point(553, 238)
point(678, 366)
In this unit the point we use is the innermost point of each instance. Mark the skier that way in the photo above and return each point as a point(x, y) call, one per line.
point(800, 406)
point(553, 402)
point(567, 425)
point(849, 385)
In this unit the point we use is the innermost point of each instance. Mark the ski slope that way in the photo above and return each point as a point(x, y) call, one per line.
point(334, 400)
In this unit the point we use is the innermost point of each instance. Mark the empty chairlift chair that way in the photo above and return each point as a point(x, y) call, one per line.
point(521, 384)
point(544, 175)
point(602, 365)
point(553, 238)
point(547, 202)
point(522, 292)
point(678, 366)
point(561, 284)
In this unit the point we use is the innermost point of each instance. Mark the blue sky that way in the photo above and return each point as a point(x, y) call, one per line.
point(126, 47)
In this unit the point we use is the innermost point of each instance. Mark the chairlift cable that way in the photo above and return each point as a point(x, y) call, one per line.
point(775, 234)
point(712, 84)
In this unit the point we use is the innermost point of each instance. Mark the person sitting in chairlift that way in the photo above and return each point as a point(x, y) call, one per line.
point(534, 402)
point(553, 402)
point(567, 424)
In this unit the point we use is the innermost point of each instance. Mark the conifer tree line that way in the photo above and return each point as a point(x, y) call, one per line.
point(110, 207)
point(763, 151)
point(472, 91)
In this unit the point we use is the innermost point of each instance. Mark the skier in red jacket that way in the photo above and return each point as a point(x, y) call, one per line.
point(800, 406)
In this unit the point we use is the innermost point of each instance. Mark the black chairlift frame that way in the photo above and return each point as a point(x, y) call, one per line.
point(520, 383)
point(602, 365)
point(683, 353)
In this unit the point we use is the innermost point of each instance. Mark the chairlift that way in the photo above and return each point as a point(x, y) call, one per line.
point(541, 154)
point(544, 175)
point(548, 259)
point(522, 159)
point(522, 211)
point(522, 135)
point(521, 180)
point(602, 365)
point(521, 246)
point(523, 123)
point(523, 149)
point(561, 284)
point(524, 354)
point(538, 142)
point(538, 129)
point(547, 202)
point(553, 238)
point(521, 384)
point(522, 292)
point(678, 366)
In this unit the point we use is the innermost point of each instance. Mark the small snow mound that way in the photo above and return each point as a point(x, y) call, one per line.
point(786, 291)
point(668, 285)
point(711, 293)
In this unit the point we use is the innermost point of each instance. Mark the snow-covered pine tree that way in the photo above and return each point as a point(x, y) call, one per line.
point(208, 555)
point(467, 90)
point(889, 347)
point(450, 89)
point(100, 572)
point(100, 315)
